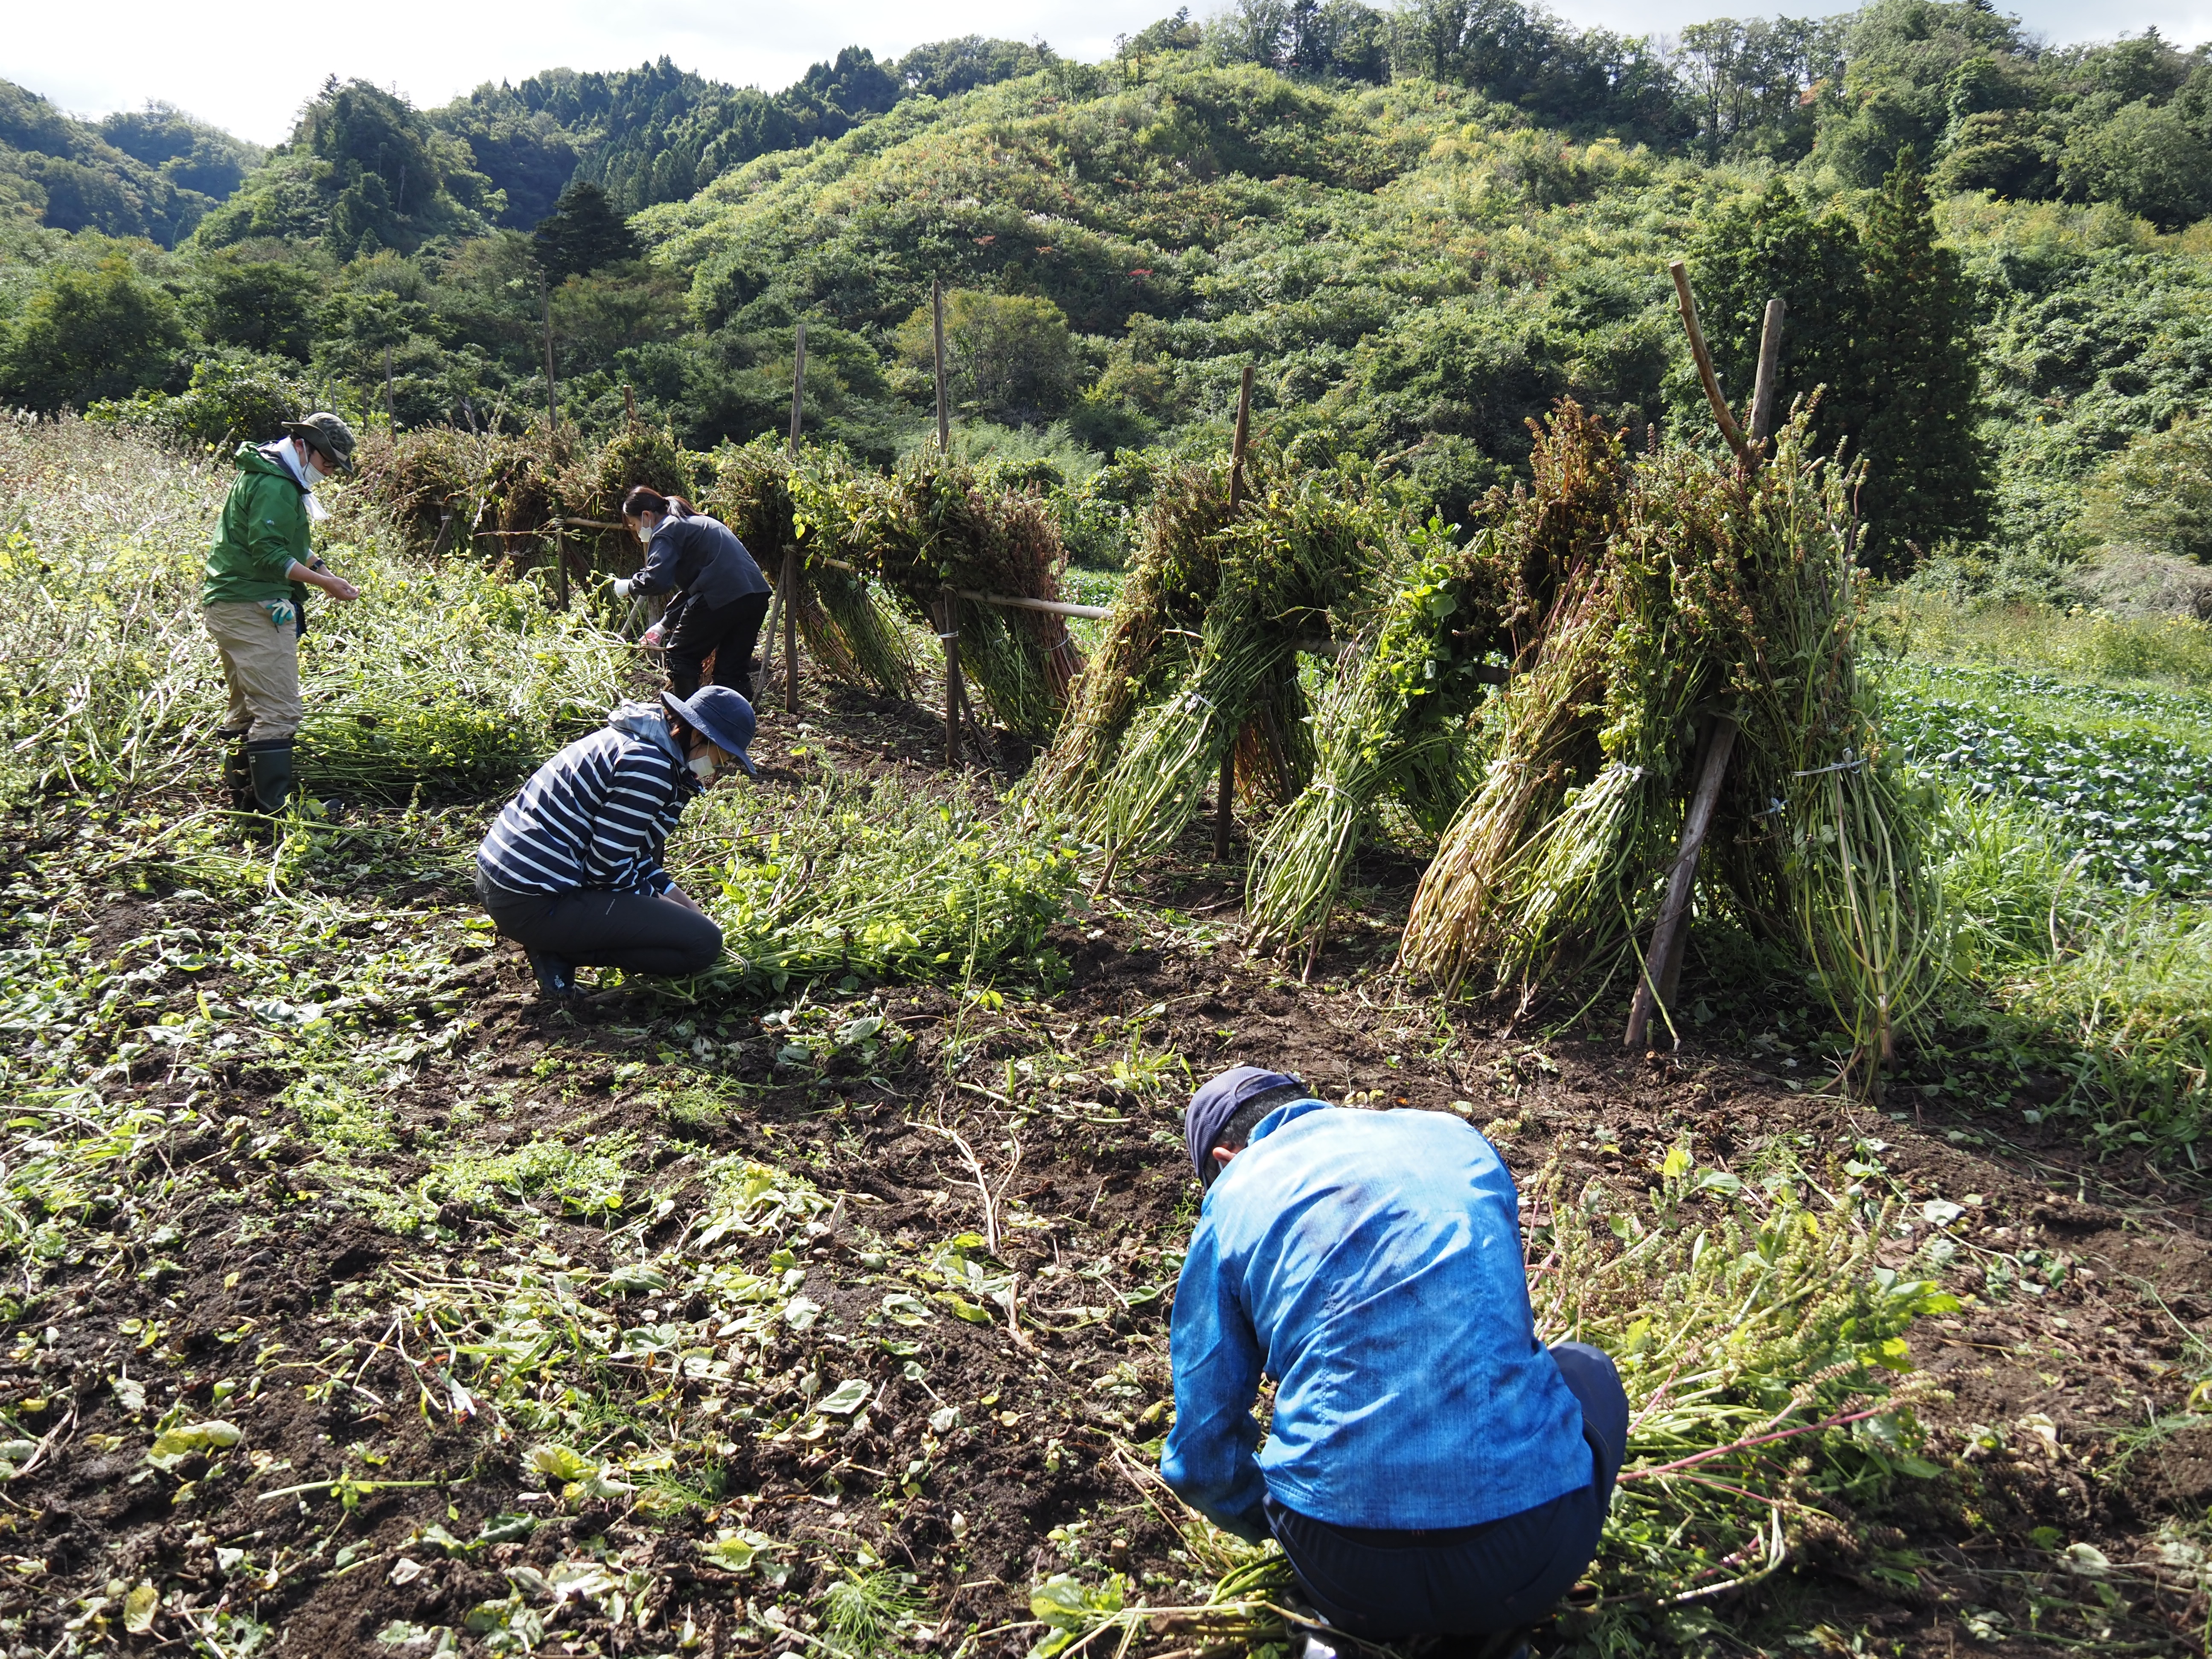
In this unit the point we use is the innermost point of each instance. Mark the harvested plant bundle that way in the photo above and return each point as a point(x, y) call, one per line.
point(1710, 595)
point(1152, 636)
point(1291, 565)
point(1393, 720)
point(844, 623)
point(935, 526)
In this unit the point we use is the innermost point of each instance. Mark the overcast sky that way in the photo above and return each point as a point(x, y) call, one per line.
point(249, 69)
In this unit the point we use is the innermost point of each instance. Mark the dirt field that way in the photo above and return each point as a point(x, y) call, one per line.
point(909, 1285)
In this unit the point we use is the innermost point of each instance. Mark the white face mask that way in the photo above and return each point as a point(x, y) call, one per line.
point(315, 474)
point(702, 767)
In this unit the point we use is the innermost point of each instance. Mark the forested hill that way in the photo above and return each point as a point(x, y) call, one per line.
point(1423, 226)
point(658, 133)
point(153, 173)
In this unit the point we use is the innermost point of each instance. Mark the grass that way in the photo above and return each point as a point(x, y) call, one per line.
point(1932, 625)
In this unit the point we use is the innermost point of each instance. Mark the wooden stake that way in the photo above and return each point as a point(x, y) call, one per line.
point(1661, 962)
point(791, 554)
point(552, 391)
point(1224, 801)
point(1768, 387)
point(390, 416)
point(948, 634)
point(767, 639)
point(798, 382)
point(944, 411)
point(1729, 430)
point(630, 405)
point(561, 558)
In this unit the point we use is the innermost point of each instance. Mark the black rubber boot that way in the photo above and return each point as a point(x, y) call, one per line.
point(270, 762)
point(238, 777)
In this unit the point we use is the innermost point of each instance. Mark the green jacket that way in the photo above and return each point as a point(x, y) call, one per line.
point(262, 530)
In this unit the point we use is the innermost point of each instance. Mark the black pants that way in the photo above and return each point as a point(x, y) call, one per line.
point(1468, 1580)
point(728, 632)
point(636, 933)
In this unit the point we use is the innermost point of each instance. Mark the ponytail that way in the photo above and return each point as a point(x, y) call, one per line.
point(643, 499)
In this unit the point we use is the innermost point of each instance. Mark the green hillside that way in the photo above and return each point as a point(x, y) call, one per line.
point(1422, 226)
point(154, 172)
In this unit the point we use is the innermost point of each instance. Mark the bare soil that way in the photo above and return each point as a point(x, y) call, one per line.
point(2063, 1406)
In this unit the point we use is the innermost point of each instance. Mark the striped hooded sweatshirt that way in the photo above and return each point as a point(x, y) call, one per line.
point(596, 816)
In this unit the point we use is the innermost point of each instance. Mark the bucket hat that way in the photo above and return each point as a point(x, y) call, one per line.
point(721, 716)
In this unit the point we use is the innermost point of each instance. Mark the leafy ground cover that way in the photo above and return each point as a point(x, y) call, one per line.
point(356, 1300)
point(2125, 771)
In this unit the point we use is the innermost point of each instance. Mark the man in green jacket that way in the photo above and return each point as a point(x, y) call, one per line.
point(255, 597)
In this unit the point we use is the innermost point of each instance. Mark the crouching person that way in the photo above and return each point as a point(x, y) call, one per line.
point(1430, 1468)
point(571, 870)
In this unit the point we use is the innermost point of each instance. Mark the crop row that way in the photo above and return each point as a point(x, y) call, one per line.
point(2125, 786)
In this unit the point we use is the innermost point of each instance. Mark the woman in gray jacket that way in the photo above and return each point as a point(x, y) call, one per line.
point(721, 595)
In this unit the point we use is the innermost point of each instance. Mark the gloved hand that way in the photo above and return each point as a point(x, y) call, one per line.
point(651, 639)
point(622, 587)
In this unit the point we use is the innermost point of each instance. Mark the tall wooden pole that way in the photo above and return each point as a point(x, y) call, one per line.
point(1768, 387)
point(552, 391)
point(630, 404)
point(1225, 792)
point(948, 634)
point(791, 554)
point(1662, 962)
point(944, 411)
point(1688, 304)
point(390, 416)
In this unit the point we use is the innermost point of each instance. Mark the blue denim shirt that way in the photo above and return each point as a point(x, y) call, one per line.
point(1371, 1262)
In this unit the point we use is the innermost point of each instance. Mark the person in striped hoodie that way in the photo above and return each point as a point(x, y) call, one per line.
point(571, 869)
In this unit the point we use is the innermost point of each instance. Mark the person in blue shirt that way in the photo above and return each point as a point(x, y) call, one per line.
point(721, 596)
point(1430, 1466)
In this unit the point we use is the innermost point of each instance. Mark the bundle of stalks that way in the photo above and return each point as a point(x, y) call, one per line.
point(1711, 594)
point(841, 616)
point(935, 525)
point(1393, 720)
point(1150, 638)
point(1293, 563)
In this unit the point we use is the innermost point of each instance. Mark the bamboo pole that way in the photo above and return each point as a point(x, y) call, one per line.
point(791, 554)
point(1662, 963)
point(944, 410)
point(1768, 387)
point(948, 635)
point(1688, 306)
point(1224, 801)
point(561, 559)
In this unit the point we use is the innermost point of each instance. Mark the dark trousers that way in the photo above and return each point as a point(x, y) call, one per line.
point(636, 933)
point(1468, 1580)
point(727, 633)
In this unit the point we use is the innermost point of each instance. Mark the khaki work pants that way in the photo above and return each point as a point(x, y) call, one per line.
point(260, 664)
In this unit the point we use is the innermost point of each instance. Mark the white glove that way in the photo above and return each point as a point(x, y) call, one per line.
point(622, 587)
